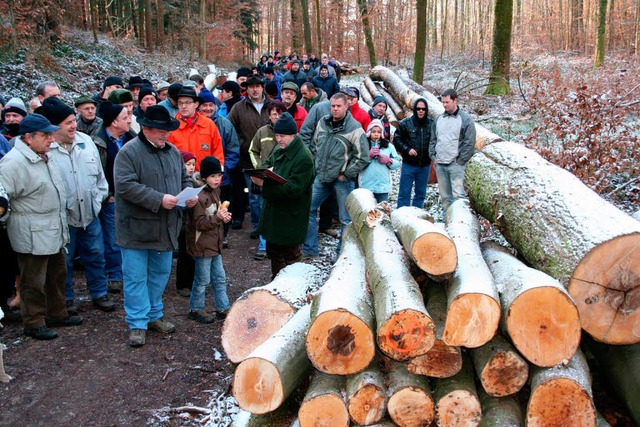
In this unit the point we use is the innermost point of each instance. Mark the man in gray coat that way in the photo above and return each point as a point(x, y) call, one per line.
point(149, 173)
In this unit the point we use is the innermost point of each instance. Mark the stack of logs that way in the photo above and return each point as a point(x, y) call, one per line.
point(421, 323)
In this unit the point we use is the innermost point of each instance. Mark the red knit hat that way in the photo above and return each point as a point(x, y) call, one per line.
point(187, 155)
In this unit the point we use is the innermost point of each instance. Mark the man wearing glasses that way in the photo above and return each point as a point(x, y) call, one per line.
point(197, 133)
point(412, 142)
point(453, 140)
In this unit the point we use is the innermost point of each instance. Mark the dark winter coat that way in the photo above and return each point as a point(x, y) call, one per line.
point(205, 231)
point(105, 147)
point(328, 84)
point(246, 120)
point(285, 212)
point(414, 134)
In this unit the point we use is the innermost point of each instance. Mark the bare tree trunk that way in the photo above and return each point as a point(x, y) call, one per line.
point(610, 37)
point(601, 34)
point(421, 40)
point(93, 9)
point(160, 23)
point(148, 26)
point(636, 45)
point(12, 20)
point(501, 50)
point(296, 44)
point(444, 12)
point(306, 26)
point(366, 26)
point(202, 51)
point(577, 25)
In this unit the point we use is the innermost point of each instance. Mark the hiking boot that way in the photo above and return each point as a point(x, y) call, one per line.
point(236, 224)
point(330, 232)
point(184, 292)
point(221, 315)
point(72, 310)
point(41, 333)
point(137, 337)
point(225, 243)
point(200, 316)
point(114, 286)
point(254, 234)
point(260, 255)
point(104, 304)
point(162, 326)
point(68, 321)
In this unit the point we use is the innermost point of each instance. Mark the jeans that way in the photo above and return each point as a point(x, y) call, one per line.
point(255, 205)
point(321, 191)
point(90, 245)
point(381, 197)
point(112, 254)
point(450, 183)
point(410, 174)
point(209, 270)
point(146, 273)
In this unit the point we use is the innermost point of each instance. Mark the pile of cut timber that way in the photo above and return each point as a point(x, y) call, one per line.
point(421, 323)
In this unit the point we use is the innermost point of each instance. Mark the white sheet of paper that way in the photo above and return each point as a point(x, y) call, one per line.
point(188, 194)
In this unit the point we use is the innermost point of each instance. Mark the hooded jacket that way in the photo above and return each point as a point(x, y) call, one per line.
point(413, 133)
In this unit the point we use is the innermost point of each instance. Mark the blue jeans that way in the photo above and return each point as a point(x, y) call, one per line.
point(381, 197)
point(321, 191)
point(410, 174)
point(209, 270)
point(112, 254)
point(90, 247)
point(146, 273)
point(450, 183)
point(255, 206)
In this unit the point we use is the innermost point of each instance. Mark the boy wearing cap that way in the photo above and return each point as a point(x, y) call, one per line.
point(377, 111)
point(37, 227)
point(205, 233)
point(87, 121)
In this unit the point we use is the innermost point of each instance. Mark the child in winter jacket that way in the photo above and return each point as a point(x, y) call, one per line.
point(384, 158)
point(205, 233)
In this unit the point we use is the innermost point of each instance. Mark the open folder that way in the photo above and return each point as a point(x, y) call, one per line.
point(265, 174)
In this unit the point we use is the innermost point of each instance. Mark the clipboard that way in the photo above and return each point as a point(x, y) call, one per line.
point(265, 174)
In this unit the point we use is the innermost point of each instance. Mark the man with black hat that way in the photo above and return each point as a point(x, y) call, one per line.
point(135, 82)
point(284, 219)
point(247, 116)
point(110, 137)
point(306, 68)
point(197, 134)
point(87, 121)
point(171, 102)
point(377, 111)
point(230, 94)
point(148, 221)
point(37, 227)
point(110, 84)
point(79, 162)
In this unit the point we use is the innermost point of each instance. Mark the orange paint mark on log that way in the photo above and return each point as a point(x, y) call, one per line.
point(407, 335)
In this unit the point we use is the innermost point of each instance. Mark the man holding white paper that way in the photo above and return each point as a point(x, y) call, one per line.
point(149, 172)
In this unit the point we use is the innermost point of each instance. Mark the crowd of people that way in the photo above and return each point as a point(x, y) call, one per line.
point(137, 173)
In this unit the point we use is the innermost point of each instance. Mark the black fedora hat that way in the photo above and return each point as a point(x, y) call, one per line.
point(158, 117)
point(134, 81)
point(189, 92)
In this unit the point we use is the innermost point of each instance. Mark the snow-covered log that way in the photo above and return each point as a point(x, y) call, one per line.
point(324, 404)
point(563, 228)
point(366, 395)
point(261, 311)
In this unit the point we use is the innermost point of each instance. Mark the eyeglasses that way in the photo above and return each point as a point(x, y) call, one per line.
point(185, 104)
point(420, 109)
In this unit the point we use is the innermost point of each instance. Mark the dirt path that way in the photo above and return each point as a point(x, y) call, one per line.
point(90, 375)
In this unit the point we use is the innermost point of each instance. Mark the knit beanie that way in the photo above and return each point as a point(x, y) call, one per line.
point(207, 96)
point(120, 96)
point(374, 123)
point(15, 105)
point(210, 165)
point(55, 110)
point(109, 112)
point(285, 125)
point(187, 155)
point(271, 88)
point(174, 90)
point(378, 99)
point(113, 80)
point(146, 90)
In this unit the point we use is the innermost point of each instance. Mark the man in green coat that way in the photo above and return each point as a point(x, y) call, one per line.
point(285, 212)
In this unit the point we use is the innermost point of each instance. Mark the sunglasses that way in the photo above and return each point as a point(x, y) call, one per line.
point(420, 109)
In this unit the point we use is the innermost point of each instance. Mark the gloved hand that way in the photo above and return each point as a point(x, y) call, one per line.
point(384, 159)
point(375, 151)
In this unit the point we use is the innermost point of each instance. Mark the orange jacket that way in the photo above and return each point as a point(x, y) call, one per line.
point(201, 139)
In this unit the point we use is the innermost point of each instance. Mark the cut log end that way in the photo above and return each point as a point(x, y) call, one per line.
point(458, 408)
point(606, 289)
point(560, 402)
point(406, 334)
point(411, 407)
point(257, 386)
point(435, 254)
point(544, 325)
point(324, 411)
point(472, 320)
point(505, 374)
point(367, 406)
point(339, 343)
point(441, 361)
point(243, 333)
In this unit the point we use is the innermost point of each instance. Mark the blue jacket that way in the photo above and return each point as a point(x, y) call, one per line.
point(377, 177)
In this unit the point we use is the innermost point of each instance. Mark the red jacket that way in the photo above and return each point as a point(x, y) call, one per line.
point(299, 115)
point(361, 116)
point(201, 138)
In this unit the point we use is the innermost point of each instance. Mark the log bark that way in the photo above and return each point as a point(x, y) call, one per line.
point(366, 395)
point(403, 326)
point(365, 95)
point(264, 379)
point(473, 308)
point(442, 360)
point(566, 230)
point(537, 312)
point(620, 365)
point(428, 245)
point(394, 105)
point(341, 339)
point(261, 311)
point(410, 402)
point(281, 416)
point(561, 395)
point(456, 400)
point(500, 411)
point(500, 368)
point(323, 404)
point(371, 87)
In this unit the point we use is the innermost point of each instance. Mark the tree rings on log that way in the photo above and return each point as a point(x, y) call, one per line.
point(500, 368)
point(410, 402)
point(324, 404)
